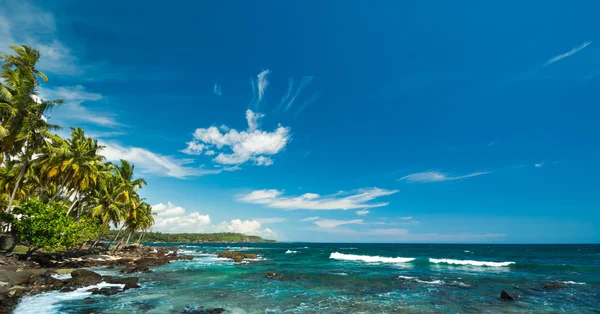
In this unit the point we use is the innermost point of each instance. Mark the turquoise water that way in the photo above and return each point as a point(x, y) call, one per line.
point(355, 278)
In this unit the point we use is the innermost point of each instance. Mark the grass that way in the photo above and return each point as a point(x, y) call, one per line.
point(19, 249)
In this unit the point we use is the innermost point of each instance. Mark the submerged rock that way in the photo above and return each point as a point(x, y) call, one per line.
point(272, 275)
point(201, 310)
point(553, 287)
point(235, 255)
point(106, 290)
point(129, 282)
point(507, 296)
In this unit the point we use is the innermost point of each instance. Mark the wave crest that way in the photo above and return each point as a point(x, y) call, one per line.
point(370, 259)
point(469, 262)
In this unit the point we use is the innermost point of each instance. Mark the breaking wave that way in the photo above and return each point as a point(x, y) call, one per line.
point(370, 259)
point(469, 262)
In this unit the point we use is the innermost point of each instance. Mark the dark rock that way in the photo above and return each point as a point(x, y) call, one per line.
point(129, 282)
point(253, 256)
point(68, 289)
point(238, 259)
point(272, 275)
point(507, 296)
point(201, 310)
point(553, 287)
point(110, 267)
point(152, 261)
point(82, 278)
point(136, 269)
point(106, 290)
point(185, 257)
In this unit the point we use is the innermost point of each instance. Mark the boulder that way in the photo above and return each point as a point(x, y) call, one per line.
point(129, 282)
point(272, 275)
point(507, 296)
point(250, 256)
point(82, 278)
point(238, 259)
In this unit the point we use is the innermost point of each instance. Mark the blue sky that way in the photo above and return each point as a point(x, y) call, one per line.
point(338, 121)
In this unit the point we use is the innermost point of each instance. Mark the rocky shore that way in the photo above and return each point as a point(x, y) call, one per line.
point(21, 275)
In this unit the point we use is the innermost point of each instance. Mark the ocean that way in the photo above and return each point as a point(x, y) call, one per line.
point(354, 278)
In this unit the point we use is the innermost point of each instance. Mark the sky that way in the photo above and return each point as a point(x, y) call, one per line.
point(337, 121)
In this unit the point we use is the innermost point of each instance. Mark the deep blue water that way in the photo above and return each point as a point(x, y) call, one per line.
point(356, 278)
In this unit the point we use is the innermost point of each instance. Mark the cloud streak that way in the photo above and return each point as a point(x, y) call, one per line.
point(569, 53)
point(153, 163)
point(435, 176)
point(340, 201)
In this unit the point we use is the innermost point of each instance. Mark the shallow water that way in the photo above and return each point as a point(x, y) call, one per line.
point(355, 278)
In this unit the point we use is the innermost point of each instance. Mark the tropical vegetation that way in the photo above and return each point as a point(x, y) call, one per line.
point(57, 193)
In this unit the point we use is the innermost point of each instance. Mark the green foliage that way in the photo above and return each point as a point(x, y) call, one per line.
point(49, 227)
point(191, 237)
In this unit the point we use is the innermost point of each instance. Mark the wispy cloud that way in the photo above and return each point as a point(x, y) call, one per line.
point(332, 223)
point(362, 212)
point(404, 235)
point(73, 111)
point(153, 163)
point(539, 165)
point(435, 176)
point(217, 89)
point(291, 95)
point(569, 53)
point(238, 147)
point(340, 201)
point(21, 22)
point(311, 218)
point(406, 218)
point(262, 83)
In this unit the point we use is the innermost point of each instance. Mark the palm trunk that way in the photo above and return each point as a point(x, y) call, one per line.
point(16, 188)
point(115, 239)
point(73, 205)
point(141, 235)
point(129, 236)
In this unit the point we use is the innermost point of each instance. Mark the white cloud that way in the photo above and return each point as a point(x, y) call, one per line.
point(539, 165)
point(288, 99)
point(263, 161)
point(73, 111)
point(168, 210)
point(339, 201)
point(173, 219)
point(252, 119)
point(310, 218)
point(194, 148)
point(435, 176)
point(243, 146)
point(262, 83)
point(406, 218)
point(270, 220)
point(209, 152)
point(569, 53)
point(404, 235)
point(331, 223)
point(362, 212)
point(154, 163)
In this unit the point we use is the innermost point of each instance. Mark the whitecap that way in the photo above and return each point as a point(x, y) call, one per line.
point(469, 262)
point(290, 252)
point(49, 302)
point(370, 259)
point(573, 283)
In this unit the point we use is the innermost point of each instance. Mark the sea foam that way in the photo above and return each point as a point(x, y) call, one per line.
point(290, 252)
point(370, 259)
point(468, 262)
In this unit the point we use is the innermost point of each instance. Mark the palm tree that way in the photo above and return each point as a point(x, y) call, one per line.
point(76, 161)
point(24, 126)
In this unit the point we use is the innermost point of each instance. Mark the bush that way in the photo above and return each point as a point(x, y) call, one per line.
point(49, 227)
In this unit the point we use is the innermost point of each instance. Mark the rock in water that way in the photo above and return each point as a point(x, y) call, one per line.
point(552, 287)
point(129, 282)
point(507, 296)
point(82, 277)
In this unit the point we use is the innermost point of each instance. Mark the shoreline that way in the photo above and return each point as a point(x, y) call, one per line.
point(37, 274)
